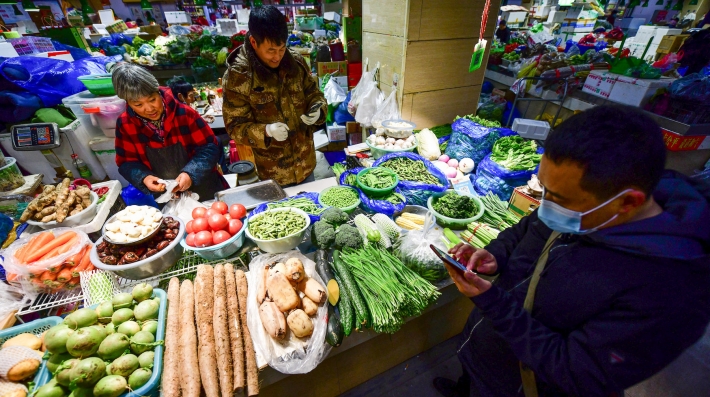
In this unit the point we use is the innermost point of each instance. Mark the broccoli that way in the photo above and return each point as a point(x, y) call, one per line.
point(323, 234)
point(348, 236)
point(334, 216)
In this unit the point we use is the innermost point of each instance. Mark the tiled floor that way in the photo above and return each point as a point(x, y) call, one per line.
point(688, 376)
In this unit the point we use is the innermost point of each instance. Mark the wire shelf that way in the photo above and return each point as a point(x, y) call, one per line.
point(184, 269)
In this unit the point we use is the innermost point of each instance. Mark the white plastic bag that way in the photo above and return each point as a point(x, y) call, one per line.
point(13, 266)
point(371, 101)
point(362, 88)
point(388, 110)
point(170, 185)
point(334, 94)
point(292, 355)
point(13, 298)
point(414, 251)
point(182, 206)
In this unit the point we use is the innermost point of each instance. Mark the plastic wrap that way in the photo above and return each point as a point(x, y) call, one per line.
point(13, 266)
point(381, 206)
point(292, 355)
point(470, 140)
point(388, 110)
point(309, 195)
point(694, 87)
point(414, 251)
point(491, 177)
point(361, 89)
point(417, 193)
point(344, 176)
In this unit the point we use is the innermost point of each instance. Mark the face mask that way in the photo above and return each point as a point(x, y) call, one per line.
point(559, 218)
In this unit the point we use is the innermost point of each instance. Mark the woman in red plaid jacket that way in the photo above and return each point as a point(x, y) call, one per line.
point(157, 137)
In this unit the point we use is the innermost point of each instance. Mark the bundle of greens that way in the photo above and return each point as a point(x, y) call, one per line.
point(480, 121)
point(515, 153)
point(479, 235)
point(496, 213)
point(383, 292)
point(456, 206)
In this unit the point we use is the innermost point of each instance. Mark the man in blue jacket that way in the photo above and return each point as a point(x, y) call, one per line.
point(601, 287)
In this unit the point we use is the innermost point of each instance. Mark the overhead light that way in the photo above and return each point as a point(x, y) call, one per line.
point(145, 4)
point(29, 6)
point(8, 2)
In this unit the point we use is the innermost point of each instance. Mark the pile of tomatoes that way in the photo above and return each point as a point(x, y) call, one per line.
point(214, 225)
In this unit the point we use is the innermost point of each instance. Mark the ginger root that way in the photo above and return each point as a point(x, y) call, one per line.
point(85, 195)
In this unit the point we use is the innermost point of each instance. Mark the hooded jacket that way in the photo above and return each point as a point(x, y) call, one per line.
point(255, 96)
point(612, 308)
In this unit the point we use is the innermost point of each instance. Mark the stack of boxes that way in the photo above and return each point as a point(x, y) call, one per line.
point(655, 35)
point(579, 20)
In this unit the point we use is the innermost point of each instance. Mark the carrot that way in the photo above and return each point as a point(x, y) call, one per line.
point(170, 382)
point(252, 370)
point(57, 268)
point(204, 287)
point(225, 369)
point(55, 286)
point(11, 277)
point(50, 254)
point(47, 276)
point(64, 275)
point(73, 283)
point(39, 240)
point(83, 265)
point(66, 247)
point(235, 329)
point(75, 259)
point(190, 383)
point(47, 248)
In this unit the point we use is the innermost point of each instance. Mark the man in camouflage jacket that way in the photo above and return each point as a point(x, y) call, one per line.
point(271, 101)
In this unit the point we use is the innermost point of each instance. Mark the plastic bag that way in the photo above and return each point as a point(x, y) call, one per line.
point(309, 195)
point(492, 109)
point(341, 114)
point(182, 206)
point(334, 94)
point(388, 110)
point(417, 193)
point(470, 140)
point(667, 62)
point(371, 100)
point(492, 177)
point(13, 266)
point(414, 251)
point(292, 355)
point(361, 88)
point(694, 87)
point(13, 298)
point(381, 206)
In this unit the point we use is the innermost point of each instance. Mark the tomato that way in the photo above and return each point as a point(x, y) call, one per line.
point(235, 225)
point(211, 212)
point(200, 225)
point(188, 227)
point(190, 239)
point(220, 237)
point(220, 206)
point(237, 211)
point(217, 222)
point(227, 216)
point(199, 212)
point(203, 239)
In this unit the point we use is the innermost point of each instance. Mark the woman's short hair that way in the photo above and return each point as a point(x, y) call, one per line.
point(133, 82)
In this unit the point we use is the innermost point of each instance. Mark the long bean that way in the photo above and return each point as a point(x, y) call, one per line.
point(273, 225)
point(302, 203)
point(411, 170)
point(496, 213)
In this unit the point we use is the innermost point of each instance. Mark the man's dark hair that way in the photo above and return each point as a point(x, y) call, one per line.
point(618, 146)
point(502, 22)
point(178, 85)
point(268, 23)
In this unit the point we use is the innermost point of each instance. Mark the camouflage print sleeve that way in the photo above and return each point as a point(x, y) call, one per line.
point(311, 90)
point(239, 120)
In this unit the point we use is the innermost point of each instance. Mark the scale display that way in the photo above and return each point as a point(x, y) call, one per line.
point(35, 136)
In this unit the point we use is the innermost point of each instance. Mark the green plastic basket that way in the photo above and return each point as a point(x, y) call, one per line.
point(451, 223)
point(369, 191)
point(347, 210)
point(99, 84)
point(36, 328)
point(151, 388)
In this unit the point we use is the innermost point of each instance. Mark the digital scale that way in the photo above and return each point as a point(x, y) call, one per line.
point(36, 136)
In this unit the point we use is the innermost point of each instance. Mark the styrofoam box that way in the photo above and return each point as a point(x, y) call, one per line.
point(331, 16)
point(336, 133)
point(531, 129)
point(544, 11)
point(600, 83)
point(636, 92)
point(513, 17)
point(556, 16)
point(549, 2)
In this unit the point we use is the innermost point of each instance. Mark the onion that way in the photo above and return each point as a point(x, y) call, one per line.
point(450, 172)
point(453, 163)
point(466, 165)
point(390, 140)
point(444, 158)
point(380, 140)
point(440, 165)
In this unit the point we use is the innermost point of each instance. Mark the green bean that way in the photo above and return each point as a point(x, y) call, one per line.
point(273, 225)
point(340, 197)
point(394, 198)
point(378, 178)
point(303, 204)
point(351, 179)
point(411, 170)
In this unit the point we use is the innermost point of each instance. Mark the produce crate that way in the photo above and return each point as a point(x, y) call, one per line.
point(152, 387)
point(117, 27)
point(36, 328)
point(29, 45)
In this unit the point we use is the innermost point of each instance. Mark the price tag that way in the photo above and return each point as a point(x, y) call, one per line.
point(464, 186)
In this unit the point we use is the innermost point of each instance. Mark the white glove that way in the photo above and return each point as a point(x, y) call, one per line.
point(311, 118)
point(278, 131)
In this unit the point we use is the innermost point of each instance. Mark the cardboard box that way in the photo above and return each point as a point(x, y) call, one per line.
point(522, 204)
point(600, 83)
point(340, 68)
point(354, 133)
point(336, 133)
point(636, 92)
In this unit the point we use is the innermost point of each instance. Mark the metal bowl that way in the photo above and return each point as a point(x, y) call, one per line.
point(130, 243)
point(149, 267)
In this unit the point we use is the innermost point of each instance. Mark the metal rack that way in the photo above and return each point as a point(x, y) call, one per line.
point(558, 100)
point(185, 268)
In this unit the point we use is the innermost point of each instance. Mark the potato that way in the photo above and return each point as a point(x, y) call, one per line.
point(23, 370)
point(310, 307)
point(10, 389)
point(300, 324)
point(313, 290)
point(281, 292)
point(273, 320)
point(26, 340)
point(294, 270)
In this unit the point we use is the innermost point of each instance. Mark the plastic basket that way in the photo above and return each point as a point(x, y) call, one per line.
point(152, 387)
point(347, 210)
point(451, 223)
point(221, 250)
point(376, 192)
point(99, 84)
point(28, 45)
point(36, 328)
point(377, 152)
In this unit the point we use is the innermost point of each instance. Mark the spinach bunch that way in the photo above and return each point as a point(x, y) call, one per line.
point(456, 206)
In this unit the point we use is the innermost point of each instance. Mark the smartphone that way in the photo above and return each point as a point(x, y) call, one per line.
point(448, 259)
point(313, 108)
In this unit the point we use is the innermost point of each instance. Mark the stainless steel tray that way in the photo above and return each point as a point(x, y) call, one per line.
point(250, 196)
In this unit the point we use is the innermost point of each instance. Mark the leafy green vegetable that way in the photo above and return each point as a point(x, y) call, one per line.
point(481, 121)
point(515, 153)
point(411, 170)
point(456, 206)
point(377, 178)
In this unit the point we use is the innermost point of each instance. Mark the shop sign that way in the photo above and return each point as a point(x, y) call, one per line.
point(679, 143)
